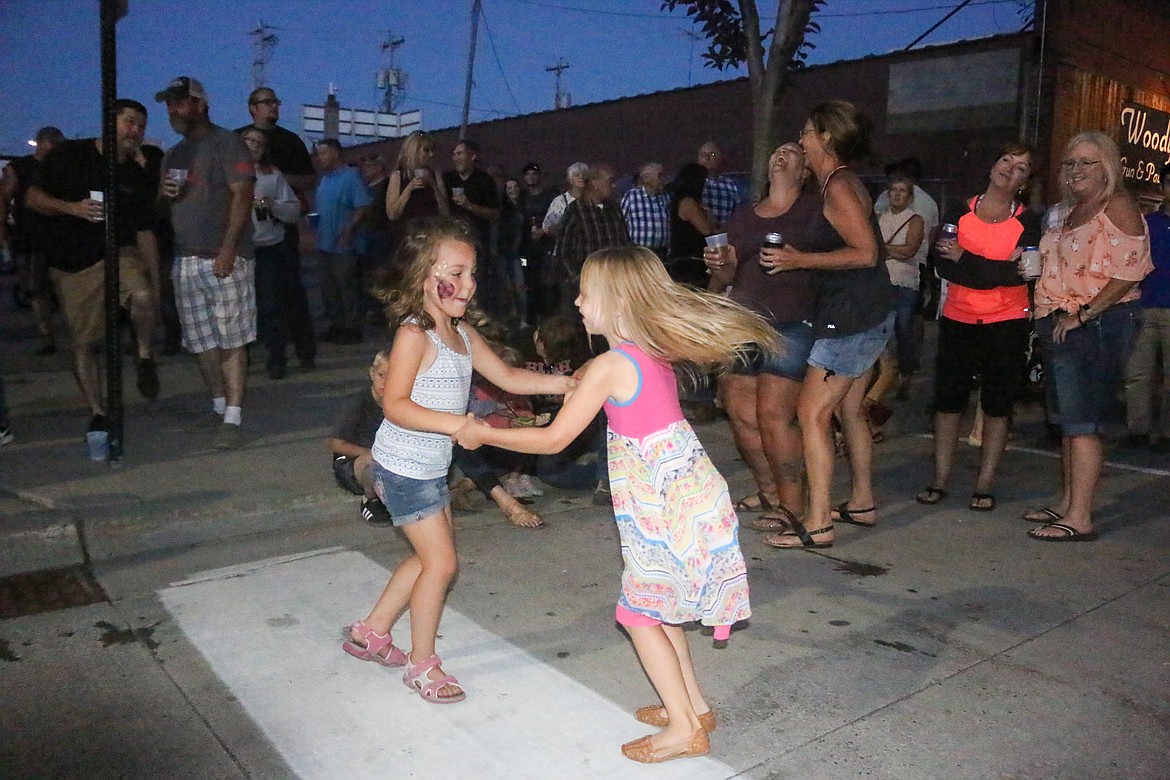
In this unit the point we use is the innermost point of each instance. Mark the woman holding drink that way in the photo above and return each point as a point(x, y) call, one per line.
point(853, 321)
point(1087, 316)
point(760, 398)
point(984, 327)
point(413, 190)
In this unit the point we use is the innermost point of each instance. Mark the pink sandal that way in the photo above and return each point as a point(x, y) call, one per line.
point(378, 648)
point(416, 679)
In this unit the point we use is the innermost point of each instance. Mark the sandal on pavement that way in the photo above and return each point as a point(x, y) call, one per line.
point(1044, 515)
point(802, 534)
point(981, 502)
point(370, 646)
point(642, 751)
point(655, 715)
point(1067, 534)
point(416, 679)
point(778, 519)
point(931, 496)
point(760, 504)
point(844, 514)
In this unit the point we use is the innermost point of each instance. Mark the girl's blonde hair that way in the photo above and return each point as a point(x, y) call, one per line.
point(670, 321)
point(416, 257)
point(410, 155)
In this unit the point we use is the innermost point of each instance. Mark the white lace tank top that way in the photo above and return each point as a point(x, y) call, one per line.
point(443, 387)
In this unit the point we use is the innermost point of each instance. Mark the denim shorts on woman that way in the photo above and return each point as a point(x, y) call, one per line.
point(410, 500)
point(852, 356)
point(791, 362)
point(1081, 374)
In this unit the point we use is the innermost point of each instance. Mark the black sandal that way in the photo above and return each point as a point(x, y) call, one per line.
point(981, 502)
point(846, 515)
point(931, 496)
point(803, 534)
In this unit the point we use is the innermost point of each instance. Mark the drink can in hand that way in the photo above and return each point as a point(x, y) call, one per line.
point(773, 241)
point(1030, 263)
point(948, 232)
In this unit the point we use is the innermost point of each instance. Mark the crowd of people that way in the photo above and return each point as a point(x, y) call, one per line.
point(803, 308)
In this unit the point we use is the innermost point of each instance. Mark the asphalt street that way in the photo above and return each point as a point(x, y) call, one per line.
point(940, 644)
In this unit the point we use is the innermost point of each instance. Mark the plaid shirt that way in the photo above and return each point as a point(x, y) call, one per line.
point(585, 228)
point(647, 218)
point(720, 197)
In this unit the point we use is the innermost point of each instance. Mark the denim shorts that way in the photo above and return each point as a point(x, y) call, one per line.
point(852, 356)
point(1082, 373)
point(410, 500)
point(791, 362)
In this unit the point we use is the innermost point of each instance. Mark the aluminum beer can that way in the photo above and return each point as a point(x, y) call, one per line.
point(773, 241)
point(948, 232)
point(1030, 262)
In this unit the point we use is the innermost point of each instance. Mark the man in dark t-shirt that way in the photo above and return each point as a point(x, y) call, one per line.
point(28, 228)
point(291, 157)
point(69, 189)
point(474, 197)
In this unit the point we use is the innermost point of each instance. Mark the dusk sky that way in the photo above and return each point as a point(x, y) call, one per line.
point(50, 67)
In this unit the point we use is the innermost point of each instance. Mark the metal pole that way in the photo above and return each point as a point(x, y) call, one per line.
point(470, 66)
point(109, 18)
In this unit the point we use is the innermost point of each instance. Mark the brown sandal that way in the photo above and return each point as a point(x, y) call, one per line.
point(779, 519)
point(642, 751)
point(655, 715)
point(761, 504)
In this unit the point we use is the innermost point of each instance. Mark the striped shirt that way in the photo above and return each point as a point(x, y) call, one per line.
point(443, 387)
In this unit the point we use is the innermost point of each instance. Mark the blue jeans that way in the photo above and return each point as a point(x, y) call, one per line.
point(1082, 372)
point(905, 330)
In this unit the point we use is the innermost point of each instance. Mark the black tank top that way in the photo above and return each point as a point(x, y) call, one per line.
point(853, 300)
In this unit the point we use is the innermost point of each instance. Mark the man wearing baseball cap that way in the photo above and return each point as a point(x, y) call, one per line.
point(207, 183)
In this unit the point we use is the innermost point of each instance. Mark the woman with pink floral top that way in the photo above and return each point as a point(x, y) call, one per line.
point(1087, 315)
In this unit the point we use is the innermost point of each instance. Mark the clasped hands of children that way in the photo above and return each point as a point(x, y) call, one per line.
point(471, 435)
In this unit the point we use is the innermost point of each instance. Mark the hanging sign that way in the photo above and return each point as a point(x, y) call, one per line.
point(1144, 142)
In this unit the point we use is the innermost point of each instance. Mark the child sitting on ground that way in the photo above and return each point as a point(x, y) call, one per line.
point(354, 436)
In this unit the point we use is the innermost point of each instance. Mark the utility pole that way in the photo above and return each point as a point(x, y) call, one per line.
point(264, 40)
point(470, 66)
point(390, 78)
point(558, 100)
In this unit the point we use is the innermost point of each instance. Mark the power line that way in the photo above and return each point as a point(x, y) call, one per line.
point(495, 54)
point(817, 15)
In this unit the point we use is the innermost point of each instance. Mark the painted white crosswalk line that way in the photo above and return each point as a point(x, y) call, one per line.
point(271, 632)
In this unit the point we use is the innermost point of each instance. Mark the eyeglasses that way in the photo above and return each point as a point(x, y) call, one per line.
point(1076, 165)
point(266, 102)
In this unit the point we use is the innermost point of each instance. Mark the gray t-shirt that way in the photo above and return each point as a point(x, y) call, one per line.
point(199, 215)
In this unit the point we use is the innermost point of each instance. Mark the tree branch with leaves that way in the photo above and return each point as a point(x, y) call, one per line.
point(735, 38)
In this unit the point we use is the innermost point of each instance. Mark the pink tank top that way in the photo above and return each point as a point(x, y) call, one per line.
point(654, 405)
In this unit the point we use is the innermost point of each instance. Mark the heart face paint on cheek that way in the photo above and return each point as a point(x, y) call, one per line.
point(446, 290)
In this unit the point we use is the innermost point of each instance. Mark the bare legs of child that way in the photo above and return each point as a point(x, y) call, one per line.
point(420, 583)
point(663, 652)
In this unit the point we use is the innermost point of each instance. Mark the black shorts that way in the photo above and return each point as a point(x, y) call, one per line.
point(345, 476)
point(991, 356)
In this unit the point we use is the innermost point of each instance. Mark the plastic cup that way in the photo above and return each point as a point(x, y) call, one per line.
point(717, 240)
point(420, 173)
point(98, 444)
point(100, 197)
point(457, 192)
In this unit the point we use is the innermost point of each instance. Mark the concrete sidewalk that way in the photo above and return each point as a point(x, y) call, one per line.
point(942, 643)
